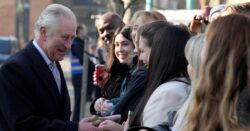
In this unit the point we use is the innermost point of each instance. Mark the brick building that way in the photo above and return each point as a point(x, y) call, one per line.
point(7, 17)
point(17, 17)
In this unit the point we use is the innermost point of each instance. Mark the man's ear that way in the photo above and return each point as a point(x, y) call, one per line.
point(43, 32)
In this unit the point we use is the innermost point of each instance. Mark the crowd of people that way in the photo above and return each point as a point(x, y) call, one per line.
point(157, 76)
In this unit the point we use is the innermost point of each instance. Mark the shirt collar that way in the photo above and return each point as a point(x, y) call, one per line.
point(40, 50)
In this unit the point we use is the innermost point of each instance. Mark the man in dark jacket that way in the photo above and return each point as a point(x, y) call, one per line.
point(33, 92)
point(77, 50)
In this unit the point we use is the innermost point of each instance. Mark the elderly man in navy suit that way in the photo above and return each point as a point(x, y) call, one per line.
point(33, 92)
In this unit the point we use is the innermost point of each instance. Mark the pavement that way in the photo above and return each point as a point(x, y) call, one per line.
point(65, 64)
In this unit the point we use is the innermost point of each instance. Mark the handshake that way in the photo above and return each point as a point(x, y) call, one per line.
point(92, 123)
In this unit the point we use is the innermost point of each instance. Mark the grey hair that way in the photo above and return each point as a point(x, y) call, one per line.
point(50, 18)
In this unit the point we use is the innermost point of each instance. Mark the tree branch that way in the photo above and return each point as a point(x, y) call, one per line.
point(129, 5)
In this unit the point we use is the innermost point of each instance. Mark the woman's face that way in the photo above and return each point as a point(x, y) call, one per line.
point(144, 50)
point(135, 30)
point(204, 52)
point(124, 49)
point(137, 24)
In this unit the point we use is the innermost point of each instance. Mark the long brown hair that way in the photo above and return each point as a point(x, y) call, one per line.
point(167, 61)
point(114, 67)
point(222, 76)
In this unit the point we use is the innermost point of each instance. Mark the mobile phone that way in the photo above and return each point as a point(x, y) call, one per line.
point(99, 69)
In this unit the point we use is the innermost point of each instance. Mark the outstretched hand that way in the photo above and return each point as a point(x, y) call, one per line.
point(103, 106)
point(88, 124)
point(109, 125)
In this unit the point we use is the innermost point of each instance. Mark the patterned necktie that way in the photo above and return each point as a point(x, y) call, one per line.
point(56, 75)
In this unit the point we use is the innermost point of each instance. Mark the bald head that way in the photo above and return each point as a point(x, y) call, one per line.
point(111, 16)
point(107, 24)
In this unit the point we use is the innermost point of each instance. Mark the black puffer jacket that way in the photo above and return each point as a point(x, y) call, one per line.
point(136, 87)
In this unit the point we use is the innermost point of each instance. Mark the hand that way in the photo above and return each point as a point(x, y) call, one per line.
point(92, 119)
point(95, 80)
point(127, 123)
point(86, 125)
point(98, 75)
point(109, 125)
point(106, 108)
point(98, 104)
point(196, 23)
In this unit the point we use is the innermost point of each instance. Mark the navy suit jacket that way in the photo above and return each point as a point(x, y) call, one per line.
point(29, 97)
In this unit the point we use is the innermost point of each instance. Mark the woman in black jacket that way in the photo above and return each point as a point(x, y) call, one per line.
point(121, 63)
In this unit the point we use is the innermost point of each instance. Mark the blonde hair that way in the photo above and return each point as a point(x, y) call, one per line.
point(222, 76)
point(193, 55)
point(193, 51)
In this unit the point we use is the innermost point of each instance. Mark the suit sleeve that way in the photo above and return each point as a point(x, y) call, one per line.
point(18, 107)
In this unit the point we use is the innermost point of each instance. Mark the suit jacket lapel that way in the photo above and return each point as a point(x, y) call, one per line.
point(41, 68)
point(64, 92)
